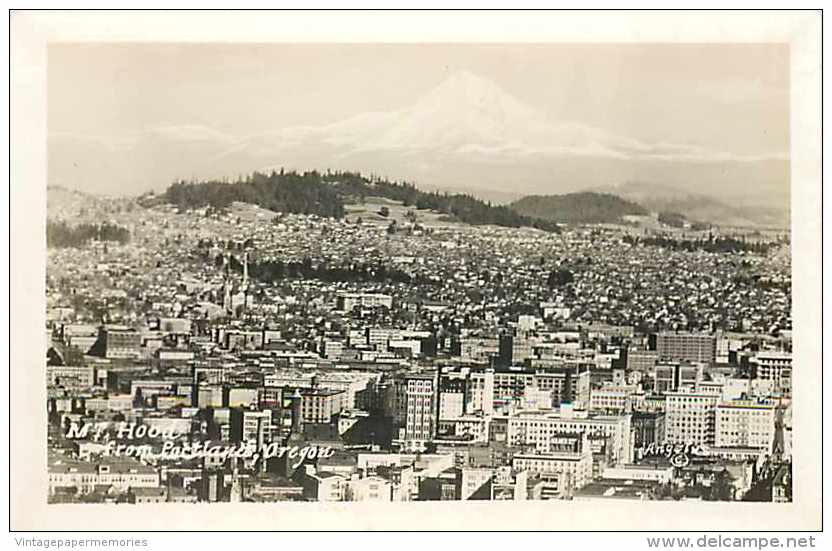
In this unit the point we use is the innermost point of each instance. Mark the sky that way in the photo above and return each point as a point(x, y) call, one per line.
point(731, 98)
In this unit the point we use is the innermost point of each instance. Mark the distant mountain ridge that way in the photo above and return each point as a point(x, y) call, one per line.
point(578, 208)
point(699, 207)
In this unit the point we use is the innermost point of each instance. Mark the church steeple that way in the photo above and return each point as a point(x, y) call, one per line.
point(245, 270)
point(226, 285)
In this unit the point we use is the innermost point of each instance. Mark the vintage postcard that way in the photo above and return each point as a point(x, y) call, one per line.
point(309, 280)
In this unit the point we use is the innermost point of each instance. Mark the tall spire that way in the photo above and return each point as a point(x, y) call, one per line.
point(226, 284)
point(245, 281)
point(226, 299)
point(245, 270)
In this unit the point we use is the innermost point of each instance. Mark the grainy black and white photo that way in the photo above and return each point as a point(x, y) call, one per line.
point(345, 272)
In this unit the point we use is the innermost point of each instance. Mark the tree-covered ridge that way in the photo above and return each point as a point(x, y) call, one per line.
point(459, 206)
point(59, 234)
point(326, 194)
point(578, 208)
point(305, 193)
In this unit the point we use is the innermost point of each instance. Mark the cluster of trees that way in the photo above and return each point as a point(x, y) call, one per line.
point(305, 193)
point(676, 220)
point(672, 219)
point(271, 271)
point(357, 186)
point(473, 211)
point(325, 195)
point(59, 234)
point(721, 244)
point(559, 278)
point(578, 208)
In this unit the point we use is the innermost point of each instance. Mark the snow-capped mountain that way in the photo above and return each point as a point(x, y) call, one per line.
point(467, 114)
point(467, 133)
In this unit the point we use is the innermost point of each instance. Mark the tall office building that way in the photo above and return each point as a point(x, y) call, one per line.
point(453, 389)
point(566, 454)
point(648, 428)
point(514, 350)
point(481, 392)
point(609, 435)
point(252, 426)
point(672, 376)
point(121, 342)
point(422, 406)
point(693, 347)
point(319, 405)
point(746, 423)
point(773, 366)
point(689, 417)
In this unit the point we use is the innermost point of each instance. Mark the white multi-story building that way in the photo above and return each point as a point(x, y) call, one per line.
point(380, 337)
point(746, 423)
point(610, 432)
point(324, 486)
point(535, 398)
point(614, 398)
point(689, 417)
point(332, 348)
point(567, 455)
point(370, 488)
point(451, 405)
point(481, 392)
point(122, 474)
point(773, 366)
point(252, 426)
point(347, 301)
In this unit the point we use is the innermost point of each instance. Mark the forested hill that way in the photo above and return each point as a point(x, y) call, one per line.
point(577, 208)
point(284, 192)
point(326, 194)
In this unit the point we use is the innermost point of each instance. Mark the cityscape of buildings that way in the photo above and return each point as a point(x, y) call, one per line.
point(177, 373)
